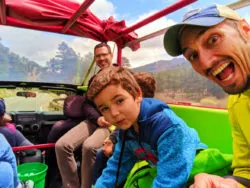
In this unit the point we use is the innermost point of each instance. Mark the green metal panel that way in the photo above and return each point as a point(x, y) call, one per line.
point(212, 125)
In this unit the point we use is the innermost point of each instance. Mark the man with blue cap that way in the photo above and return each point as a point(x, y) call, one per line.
point(216, 41)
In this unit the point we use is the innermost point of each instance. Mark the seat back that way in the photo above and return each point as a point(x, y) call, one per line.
point(72, 107)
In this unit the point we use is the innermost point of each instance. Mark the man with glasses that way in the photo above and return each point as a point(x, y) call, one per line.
point(88, 135)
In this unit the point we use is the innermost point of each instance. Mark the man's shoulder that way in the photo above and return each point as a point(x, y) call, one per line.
point(238, 99)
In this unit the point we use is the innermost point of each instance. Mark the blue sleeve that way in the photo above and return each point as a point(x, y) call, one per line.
point(108, 177)
point(7, 155)
point(176, 152)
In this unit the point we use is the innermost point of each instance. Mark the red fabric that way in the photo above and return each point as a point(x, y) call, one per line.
point(52, 15)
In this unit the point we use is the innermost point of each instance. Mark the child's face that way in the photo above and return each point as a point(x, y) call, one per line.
point(107, 147)
point(118, 106)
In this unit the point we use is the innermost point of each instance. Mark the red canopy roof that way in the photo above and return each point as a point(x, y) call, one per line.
point(70, 17)
point(64, 16)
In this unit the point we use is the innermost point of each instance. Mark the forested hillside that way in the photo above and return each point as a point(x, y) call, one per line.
point(177, 81)
point(65, 67)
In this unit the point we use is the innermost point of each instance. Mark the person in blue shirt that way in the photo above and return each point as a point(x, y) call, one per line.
point(8, 168)
point(149, 130)
point(8, 129)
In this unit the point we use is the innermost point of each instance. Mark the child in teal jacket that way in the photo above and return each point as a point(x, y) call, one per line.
point(150, 129)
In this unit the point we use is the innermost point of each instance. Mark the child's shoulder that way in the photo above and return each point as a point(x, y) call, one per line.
point(154, 102)
point(151, 106)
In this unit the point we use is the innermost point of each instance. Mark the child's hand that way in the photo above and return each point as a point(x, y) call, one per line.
point(102, 122)
point(204, 180)
point(107, 147)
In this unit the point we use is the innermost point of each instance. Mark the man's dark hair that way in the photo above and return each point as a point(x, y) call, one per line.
point(103, 44)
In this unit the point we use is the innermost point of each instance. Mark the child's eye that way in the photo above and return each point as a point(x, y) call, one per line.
point(119, 101)
point(104, 109)
point(212, 40)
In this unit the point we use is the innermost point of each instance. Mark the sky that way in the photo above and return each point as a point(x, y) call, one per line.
point(130, 10)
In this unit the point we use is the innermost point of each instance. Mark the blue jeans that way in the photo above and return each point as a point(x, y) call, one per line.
point(15, 138)
point(8, 168)
point(100, 164)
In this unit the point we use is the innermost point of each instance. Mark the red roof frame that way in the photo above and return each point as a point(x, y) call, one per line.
point(69, 17)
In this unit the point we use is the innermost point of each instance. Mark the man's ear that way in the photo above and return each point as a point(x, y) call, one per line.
point(244, 29)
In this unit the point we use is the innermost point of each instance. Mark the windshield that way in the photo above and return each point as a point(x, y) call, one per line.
point(37, 56)
point(34, 99)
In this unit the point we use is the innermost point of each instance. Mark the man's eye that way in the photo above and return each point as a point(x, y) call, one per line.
point(192, 57)
point(212, 39)
point(101, 55)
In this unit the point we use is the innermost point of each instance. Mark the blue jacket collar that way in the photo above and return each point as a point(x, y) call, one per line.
point(149, 107)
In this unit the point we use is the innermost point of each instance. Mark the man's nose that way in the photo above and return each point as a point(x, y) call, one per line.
point(101, 57)
point(206, 60)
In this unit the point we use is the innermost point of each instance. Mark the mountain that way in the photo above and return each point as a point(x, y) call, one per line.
point(160, 65)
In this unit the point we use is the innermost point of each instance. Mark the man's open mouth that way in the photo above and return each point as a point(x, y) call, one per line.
point(224, 71)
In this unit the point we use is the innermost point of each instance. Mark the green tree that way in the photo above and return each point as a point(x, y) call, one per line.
point(63, 64)
point(4, 62)
point(83, 66)
point(126, 62)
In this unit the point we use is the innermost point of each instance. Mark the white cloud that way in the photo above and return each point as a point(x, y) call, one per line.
point(48, 43)
point(83, 46)
point(102, 8)
point(25, 42)
point(37, 46)
point(151, 50)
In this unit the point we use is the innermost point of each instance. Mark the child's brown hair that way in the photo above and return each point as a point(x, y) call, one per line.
point(113, 76)
point(146, 82)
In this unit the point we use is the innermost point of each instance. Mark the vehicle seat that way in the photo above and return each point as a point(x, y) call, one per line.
point(72, 107)
point(72, 110)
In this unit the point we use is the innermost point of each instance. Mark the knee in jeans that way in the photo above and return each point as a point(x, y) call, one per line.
point(88, 147)
point(61, 145)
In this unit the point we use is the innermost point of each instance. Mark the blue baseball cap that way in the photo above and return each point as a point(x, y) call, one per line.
point(206, 17)
point(2, 107)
